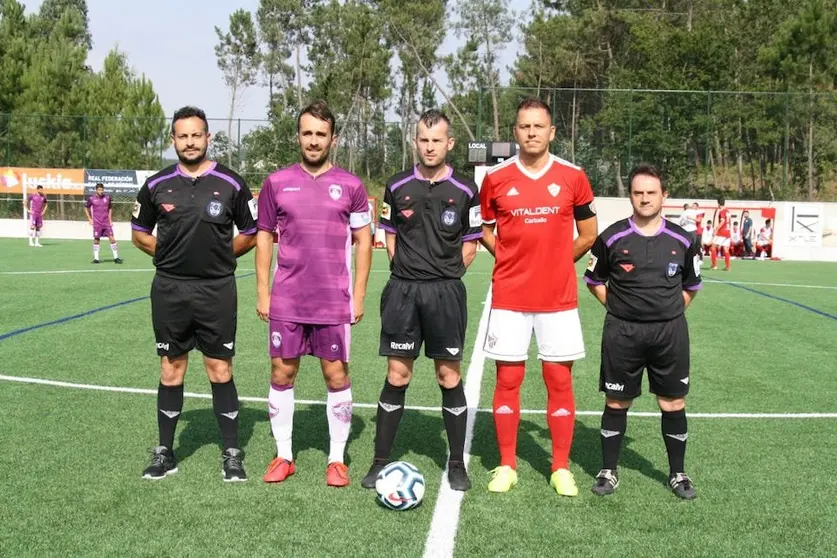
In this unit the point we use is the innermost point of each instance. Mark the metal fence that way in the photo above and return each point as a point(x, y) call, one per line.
point(750, 145)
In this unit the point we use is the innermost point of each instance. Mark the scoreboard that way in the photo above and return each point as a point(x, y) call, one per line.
point(490, 152)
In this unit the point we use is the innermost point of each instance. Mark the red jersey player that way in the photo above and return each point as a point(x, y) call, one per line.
point(533, 199)
point(722, 235)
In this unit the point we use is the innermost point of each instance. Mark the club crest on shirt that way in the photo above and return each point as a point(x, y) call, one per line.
point(672, 269)
point(276, 339)
point(214, 208)
point(449, 217)
point(554, 190)
point(335, 191)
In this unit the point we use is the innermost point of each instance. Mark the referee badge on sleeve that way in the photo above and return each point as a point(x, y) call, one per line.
point(137, 209)
point(386, 211)
point(475, 216)
point(591, 265)
point(696, 265)
point(672, 269)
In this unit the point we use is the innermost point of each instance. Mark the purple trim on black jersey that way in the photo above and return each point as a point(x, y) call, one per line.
point(140, 228)
point(462, 187)
point(400, 183)
point(249, 231)
point(693, 288)
point(472, 236)
point(592, 281)
point(619, 235)
point(229, 179)
point(681, 238)
point(417, 176)
point(153, 183)
point(388, 228)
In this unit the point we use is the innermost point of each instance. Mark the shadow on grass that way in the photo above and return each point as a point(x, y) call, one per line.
point(199, 428)
point(534, 447)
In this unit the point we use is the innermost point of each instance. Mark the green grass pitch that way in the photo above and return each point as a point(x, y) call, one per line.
point(72, 457)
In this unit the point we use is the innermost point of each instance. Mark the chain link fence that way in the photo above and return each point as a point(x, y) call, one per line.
point(748, 145)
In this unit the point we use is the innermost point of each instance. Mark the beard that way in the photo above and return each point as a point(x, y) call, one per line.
point(191, 159)
point(317, 161)
point(441, 161)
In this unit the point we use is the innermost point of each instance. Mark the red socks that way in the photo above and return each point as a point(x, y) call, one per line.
point(560, 411)
point(507, 409)
point(560, 408)
point(714, 253)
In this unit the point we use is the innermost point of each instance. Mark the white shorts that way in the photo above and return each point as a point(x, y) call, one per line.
point(721, 241)
point(558, 335)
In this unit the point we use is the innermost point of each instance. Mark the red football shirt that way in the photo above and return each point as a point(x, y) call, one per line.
point(534, 269)
point(723, 214)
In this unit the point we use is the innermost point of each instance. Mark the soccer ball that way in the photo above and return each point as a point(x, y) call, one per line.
point(400, 486)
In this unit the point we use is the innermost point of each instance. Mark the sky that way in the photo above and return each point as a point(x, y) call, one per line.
point(172, 43)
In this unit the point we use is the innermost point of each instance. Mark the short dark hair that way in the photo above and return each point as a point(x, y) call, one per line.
point(533, 103)
point(432, 117)
point(39, 187)
point(645, 169)
point(99, 184)
point(768, 221)
point(735, 223)
point(189, 112)
point(319, 109)
point(685, 206)
point(721, 201)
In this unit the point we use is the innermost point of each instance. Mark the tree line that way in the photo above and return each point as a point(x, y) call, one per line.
point(725, 95)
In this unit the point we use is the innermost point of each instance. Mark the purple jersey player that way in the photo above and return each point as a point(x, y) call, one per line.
point(98, 209)
point(319, 211)
point(36, 205)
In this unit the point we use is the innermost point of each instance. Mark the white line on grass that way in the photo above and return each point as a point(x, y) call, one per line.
point(143, 391)
point(441, 537)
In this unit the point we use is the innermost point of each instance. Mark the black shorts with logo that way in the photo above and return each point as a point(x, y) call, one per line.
point(189, 313)
point(432, 312)
point(629, 347)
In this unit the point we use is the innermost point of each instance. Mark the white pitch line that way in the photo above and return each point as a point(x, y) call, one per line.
point(144, 391)
point(441, 538)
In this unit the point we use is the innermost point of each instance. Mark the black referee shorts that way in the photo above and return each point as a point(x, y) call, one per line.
point(193, 313)
point(430, 312)
point(629, 347)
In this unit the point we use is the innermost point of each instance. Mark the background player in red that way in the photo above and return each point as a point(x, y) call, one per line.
point(722, 235)
point(37, 207)
point(99, 211)
point(533, 199)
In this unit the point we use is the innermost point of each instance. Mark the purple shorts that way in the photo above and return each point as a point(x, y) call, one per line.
point(103, 230)
point(288, 340)
point(36, 221)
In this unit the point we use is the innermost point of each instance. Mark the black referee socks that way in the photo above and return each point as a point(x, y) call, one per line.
point(169, 407)
point(614, 425)
point(675, 434)
point(225, 405)
point(455, 415)
point(390, 411)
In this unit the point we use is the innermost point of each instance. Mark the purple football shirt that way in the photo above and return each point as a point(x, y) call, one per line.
point(314, 217)
point(38, 202)
point(99, 210)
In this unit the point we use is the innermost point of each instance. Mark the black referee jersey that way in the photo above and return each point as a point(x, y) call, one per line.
point(645, 275)
point(431, 220)
point(194, 219)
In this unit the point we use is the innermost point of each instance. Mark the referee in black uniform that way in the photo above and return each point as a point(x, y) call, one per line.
point(194, 205)
point(431, 215)
point(646, 271)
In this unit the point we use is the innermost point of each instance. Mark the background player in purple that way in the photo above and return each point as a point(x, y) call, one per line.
point(37, 206)
point(99, 211)
point(319, 211)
